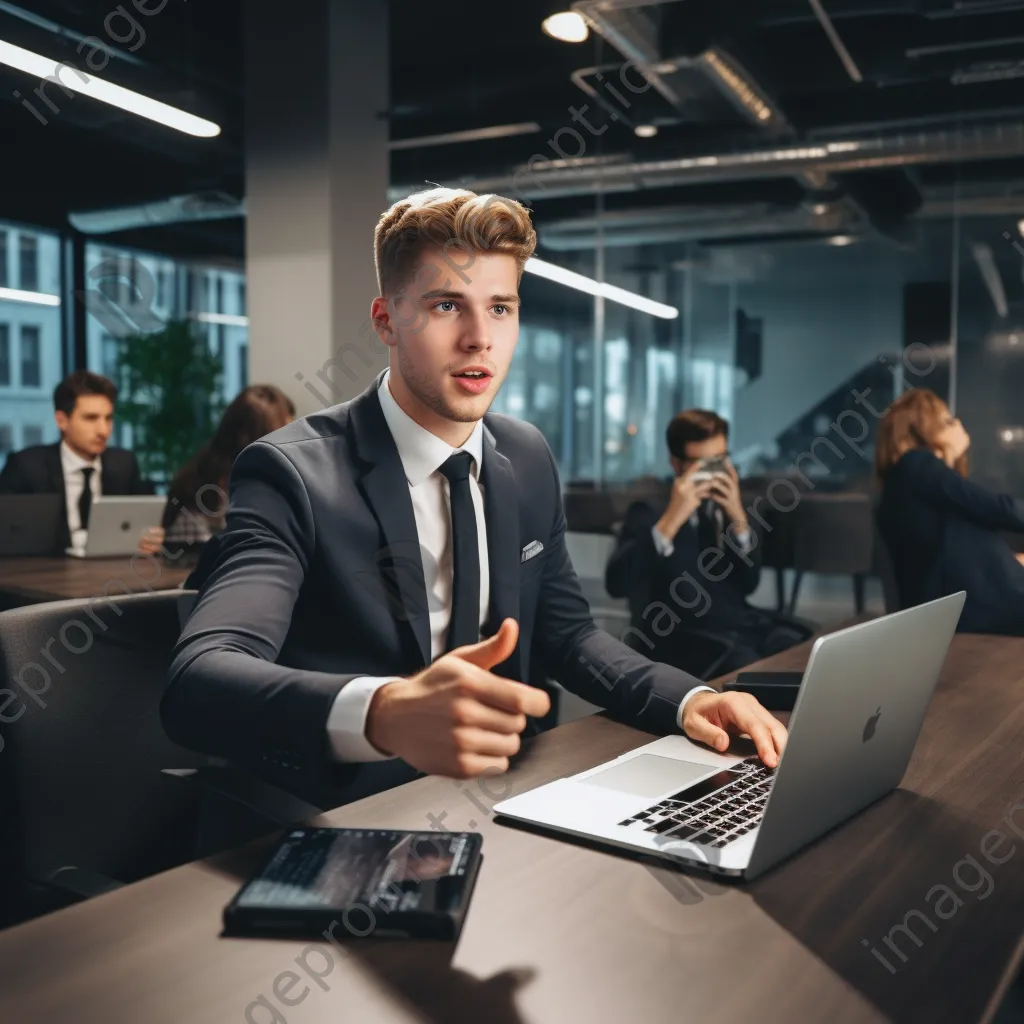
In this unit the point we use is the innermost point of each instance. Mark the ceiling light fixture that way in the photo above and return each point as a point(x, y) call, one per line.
point(37, 298)
point(840, 240)
point(566, 26)
point(646, 131)
point(587, 284)
point(73, 79)
point(1020, 227)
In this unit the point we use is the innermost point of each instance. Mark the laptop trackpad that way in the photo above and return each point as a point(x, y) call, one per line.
point(648, 775)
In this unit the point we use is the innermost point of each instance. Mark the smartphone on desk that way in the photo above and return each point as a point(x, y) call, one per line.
point(775, 690)
point(360, 883)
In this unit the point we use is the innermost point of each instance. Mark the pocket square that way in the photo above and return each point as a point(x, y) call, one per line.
point(531, 550)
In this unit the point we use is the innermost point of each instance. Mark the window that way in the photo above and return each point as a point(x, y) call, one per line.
point(243, 366)
point(6, 438)
point(3, 260)
point(5, 355)
point(109, 348)
point(31, 368)
point(31, 435)
point(28, 261)
point(241, 296)
point(220, 295)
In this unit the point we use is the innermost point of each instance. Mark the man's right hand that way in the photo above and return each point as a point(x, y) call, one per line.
point(456, 717)
point(685, 499)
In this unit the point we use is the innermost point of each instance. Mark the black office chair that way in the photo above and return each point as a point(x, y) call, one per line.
point(87, 808)
point(833, 533)
point(886, 572)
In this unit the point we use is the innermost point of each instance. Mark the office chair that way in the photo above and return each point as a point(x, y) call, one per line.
point(886, 572)
point(833, 533)
point(87, 808)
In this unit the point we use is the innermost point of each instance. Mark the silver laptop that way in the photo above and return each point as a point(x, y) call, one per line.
point(857, 717)
point(117, 523)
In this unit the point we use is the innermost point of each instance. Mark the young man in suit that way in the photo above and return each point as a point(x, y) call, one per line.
point(697, 558)
point(335, 646)
point(79, 467)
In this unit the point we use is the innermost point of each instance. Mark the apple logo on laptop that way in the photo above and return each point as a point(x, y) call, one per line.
point(869, 726)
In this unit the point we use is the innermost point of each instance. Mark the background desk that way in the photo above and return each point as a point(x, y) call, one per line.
point(30, 580)
point(560, 932)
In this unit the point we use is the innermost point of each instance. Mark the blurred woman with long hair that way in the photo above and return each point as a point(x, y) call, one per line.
point(197, 500)
point(941, 529)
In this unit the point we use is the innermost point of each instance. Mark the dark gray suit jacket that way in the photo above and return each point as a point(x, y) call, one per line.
point(318, 578)
point(38, 470)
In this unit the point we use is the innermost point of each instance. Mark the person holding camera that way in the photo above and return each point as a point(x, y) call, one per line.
point(688, 569)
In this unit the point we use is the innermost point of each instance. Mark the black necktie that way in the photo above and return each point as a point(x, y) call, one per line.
point(85, 501)
point(464, 627)
point(708, 531)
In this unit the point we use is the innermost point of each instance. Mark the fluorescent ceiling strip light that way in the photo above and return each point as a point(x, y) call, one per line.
point(38, 298)
point(76, 80)
point(229, 319)
point(587, 284)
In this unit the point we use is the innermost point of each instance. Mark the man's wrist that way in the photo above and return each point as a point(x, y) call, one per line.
point(377, 711)
point(686, 700)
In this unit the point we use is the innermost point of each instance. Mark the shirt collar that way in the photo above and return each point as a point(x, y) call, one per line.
point(422, 452)
point(71, 461)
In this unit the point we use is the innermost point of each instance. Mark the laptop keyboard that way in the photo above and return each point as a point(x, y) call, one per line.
point(714, 812)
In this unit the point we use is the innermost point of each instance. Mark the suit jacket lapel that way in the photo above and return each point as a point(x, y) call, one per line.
point(387, 492)
point(55, 477)
point(501, 508)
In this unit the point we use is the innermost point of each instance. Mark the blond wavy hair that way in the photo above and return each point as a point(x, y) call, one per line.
point(448, 219)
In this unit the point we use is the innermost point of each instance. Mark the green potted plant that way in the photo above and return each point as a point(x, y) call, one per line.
point(169, 383)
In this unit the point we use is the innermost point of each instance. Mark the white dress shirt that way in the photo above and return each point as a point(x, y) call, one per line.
point(422, 454)
point(72, 465)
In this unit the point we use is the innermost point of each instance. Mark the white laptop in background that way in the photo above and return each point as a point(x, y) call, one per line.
point(117, 522)
point(857, 717)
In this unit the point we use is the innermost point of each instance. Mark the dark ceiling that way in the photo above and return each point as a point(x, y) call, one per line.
point(912, 73)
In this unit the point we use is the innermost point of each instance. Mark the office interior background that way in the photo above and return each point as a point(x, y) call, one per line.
point(785, 211)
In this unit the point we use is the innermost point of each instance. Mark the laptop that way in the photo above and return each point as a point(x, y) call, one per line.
point(30, 524)
point(116, 524)
point(857, 717)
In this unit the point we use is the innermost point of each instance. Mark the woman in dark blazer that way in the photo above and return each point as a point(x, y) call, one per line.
point(942, 531)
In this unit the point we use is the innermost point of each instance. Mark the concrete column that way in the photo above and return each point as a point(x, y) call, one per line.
point(316, 183)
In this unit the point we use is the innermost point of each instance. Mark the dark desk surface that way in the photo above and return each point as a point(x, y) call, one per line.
point(29, 580)
point(559, 932)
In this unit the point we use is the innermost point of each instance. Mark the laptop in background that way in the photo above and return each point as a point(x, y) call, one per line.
point(117, 523)
point(30, 524)
point(857, 717)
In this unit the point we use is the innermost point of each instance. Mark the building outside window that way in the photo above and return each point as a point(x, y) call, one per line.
point(31, 435)
point(4, 275)
point(243, 366)
point(5, 355)
point(31, 357)
point(28, 262)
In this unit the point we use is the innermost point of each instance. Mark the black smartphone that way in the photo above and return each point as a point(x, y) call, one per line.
point(360, 883)
point(775, 690)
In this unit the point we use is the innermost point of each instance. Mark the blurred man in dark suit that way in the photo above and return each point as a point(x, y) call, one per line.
point(697, 558)
point(80, 467)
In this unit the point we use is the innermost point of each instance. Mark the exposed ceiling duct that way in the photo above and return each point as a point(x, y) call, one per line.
point(196, 206)
point(552, 179)
point(705, 223)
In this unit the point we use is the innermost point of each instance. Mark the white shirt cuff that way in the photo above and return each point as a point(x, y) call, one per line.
point(742, 539)
point(662, 544)
point(346, 722)
point(682, 703)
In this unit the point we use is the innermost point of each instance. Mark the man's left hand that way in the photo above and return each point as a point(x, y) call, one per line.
point(725, 492)
point(710, 718)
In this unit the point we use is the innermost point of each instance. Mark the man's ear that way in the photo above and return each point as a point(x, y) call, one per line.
point(62, 421)
point(380, 317)
point(677, 466)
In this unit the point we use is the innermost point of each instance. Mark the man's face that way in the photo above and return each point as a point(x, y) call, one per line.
point(695, 451)
point(87, 430)
point(452, 335)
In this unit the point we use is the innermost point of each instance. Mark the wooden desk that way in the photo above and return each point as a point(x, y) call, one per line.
point(559, 932)
point(30, 580)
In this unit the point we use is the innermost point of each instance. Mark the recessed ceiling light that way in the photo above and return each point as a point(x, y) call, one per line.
point(840, 240)
point(819, 208)
point(567, 26)
point(646, 131)
point(1020, 227)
